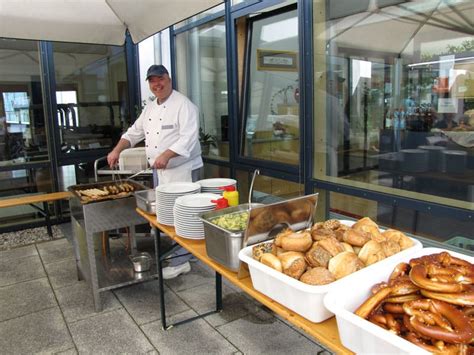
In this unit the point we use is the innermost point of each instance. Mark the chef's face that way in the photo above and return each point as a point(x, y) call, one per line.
point(160, 86)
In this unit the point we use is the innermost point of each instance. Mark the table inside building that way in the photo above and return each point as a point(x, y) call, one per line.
point(326, 332)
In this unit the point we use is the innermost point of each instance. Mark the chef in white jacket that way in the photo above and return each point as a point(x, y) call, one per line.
point(170, 127)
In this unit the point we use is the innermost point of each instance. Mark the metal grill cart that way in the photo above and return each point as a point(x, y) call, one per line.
point(89, 221)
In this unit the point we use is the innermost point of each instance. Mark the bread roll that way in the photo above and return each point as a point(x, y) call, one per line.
point(401, 239)
point(260, 249)
point(339, 232)
point(344, 263)
point(271, 261)
point(355, 237)
point(322, 233)
point(317, 256)
point(297, 242)
point(331, 245)
point(317, 276)
point(390, 247)
point(293, 264)
point(347, 247)
point(368, 226)
point(371, 252)
point(280, 235)
point(332, 224)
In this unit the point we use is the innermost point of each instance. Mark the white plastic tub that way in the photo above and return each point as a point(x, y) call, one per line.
point(301, 298)
point(358, 334)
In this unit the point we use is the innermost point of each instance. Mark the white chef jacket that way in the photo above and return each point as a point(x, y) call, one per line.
point(172, 125)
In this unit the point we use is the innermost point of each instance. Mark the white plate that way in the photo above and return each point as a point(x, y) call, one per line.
point(197, 200)
point(217, 182)
point(178, 187)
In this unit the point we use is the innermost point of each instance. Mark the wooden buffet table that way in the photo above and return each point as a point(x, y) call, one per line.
point(326, 332)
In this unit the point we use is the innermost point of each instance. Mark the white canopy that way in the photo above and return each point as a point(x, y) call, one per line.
point(93, 21)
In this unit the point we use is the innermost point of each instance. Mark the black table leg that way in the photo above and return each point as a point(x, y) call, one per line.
point(161, 286)
point(48, 220)
point(218, 292)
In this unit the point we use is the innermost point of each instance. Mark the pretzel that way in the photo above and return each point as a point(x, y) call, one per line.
point(425, 277)
point(459, 298)
point(366, 308)
point(439, 320)
point(396, 308)
point(403, 299)
point(402, 286)
point(401, 269)
point(387, 321)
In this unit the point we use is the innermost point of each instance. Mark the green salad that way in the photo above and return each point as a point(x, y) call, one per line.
point(236, 221)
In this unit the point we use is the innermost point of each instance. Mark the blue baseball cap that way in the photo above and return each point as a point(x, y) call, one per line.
point(156, 70)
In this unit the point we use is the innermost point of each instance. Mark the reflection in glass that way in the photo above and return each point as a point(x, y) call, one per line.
point(202, 76)
point(267, 189)
point(22, 123)
point(394, 98)
point(271, 112)
point(91, 84)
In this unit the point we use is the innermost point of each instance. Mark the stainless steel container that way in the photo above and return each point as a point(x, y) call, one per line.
point(223, 245)
point(141, 262)
point(146, 200)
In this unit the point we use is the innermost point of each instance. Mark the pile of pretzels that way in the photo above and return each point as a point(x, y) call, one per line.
point(330, 250)
point(429, 301)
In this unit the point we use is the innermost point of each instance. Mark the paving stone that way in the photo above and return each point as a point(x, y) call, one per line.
point(71, 351)
point(111, 333)
point(40, 332)
point(261, 333)
point(77, 303)
point(16, 253)
point(142, 301)
point(198, 275)
point(17, 270)
point(203, 299)
point(55, 250)
point(196, 337)
point(62, 273)
point(25, 297)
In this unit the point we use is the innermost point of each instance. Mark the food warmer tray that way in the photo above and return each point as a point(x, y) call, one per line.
point(100, 185)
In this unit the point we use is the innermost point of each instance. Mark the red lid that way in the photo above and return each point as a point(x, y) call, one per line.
point(227, 188)
point(221, 203)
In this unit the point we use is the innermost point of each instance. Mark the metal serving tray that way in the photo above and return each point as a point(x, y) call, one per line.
point(224, 245)
point(99, 185)
point(146, 200)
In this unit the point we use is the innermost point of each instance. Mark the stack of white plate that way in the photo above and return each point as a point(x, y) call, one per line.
point(166, 194)
point(187, 210)
point(213, 185)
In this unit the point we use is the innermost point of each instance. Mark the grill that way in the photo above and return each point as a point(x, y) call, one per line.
point(90, 217)
point(107, 190)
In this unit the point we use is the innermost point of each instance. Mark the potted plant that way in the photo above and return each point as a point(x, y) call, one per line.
point(207, 140)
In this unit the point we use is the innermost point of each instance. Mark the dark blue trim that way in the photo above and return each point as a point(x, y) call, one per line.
point(201, 21)
point(133, 72)
point(256, 7)
point(393, 200)
point(50, 108)
point(305, 35)
point(174, 75)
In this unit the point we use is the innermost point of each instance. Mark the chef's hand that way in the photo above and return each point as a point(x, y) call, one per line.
point(162, 161)
point(113, 158)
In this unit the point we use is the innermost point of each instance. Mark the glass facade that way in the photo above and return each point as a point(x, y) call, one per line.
point(394, 98)
point(92, 95)
point(393, 104)
point(202, 75)
point(92, 108)
point(272, 90)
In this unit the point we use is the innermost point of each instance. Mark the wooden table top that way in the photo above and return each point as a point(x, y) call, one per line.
point(325, 333)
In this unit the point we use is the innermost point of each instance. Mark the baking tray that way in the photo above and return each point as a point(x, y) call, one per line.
point(100, 185)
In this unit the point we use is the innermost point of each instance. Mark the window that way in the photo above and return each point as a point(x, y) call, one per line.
point(394, 98)
point(271, 129)
point(202, 76)
point(16, 107)
point(63, 99)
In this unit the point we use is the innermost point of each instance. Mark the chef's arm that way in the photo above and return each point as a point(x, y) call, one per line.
point(162, 160)
point(113, 156)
